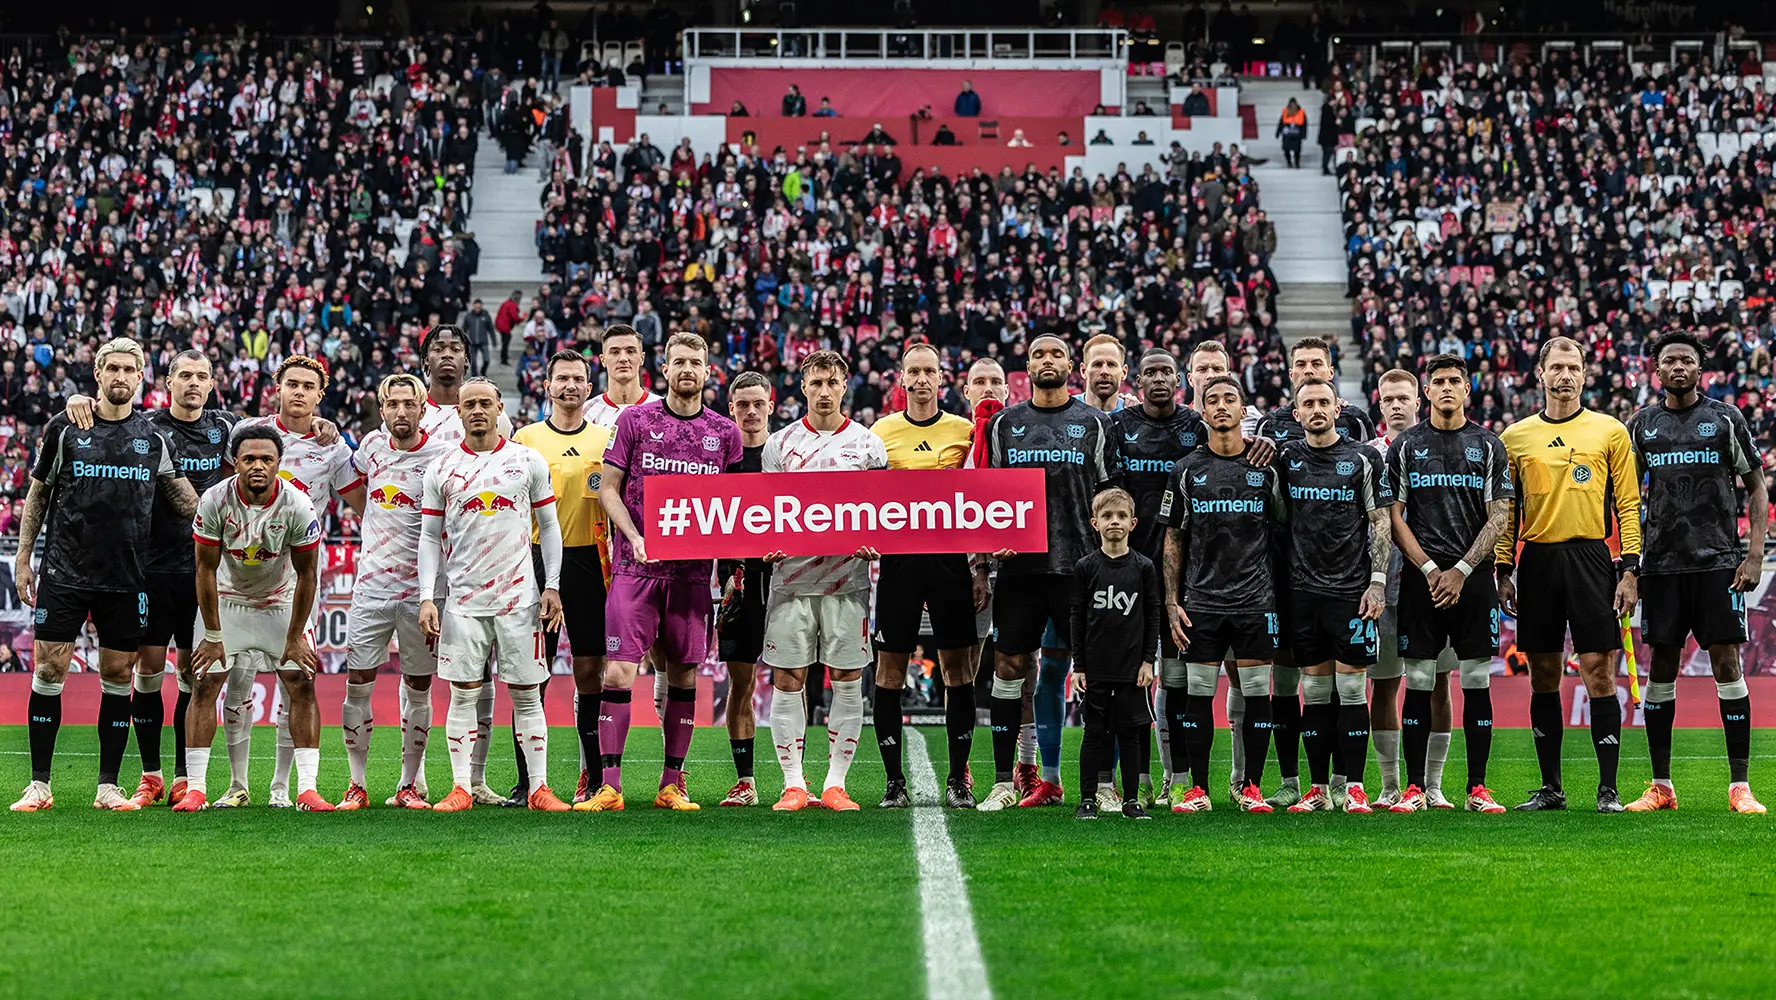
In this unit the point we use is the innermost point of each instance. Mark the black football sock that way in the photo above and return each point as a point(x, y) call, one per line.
point(44, 713)
point(1092, 753)
point(1659, 718)
point(888, 732)
point(518, 752)
point(1005, 715)
point(1477, 732)
point(1129, 738)
point(742, 757)
point(1199, 736)
point(586, 726)
point(1319, 731)
point(1545, 721)
point(1353, 740)
point(1736, 720)
point(1285, 720)
point(959, 726)
point(1257, 738)
point(179, 709)
point(114, 727)
point(1606, 737)
point(148, 713)
point(1415, 734)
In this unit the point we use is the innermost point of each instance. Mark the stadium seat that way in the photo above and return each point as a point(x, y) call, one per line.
point(1704, 292)
point(1681, 289)
point(1429, 233)
point(988, 129)
point(1483, 275)
point(381, 86)
point(201, 200)
point(1658, 290)
point(613, 52)
point(1399, 228)
point(1460, 276)
point(1174, 58)
point(1708, 143)
point(225, 201)
point(633, 51)
point(1017, 385)
point(1670, 183)
point(163, 165)
point(1364, 125)
point(1727, 146)
point(1731, 290)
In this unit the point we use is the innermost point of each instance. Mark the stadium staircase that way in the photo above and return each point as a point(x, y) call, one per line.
point(505, 218)
point(1309, 261)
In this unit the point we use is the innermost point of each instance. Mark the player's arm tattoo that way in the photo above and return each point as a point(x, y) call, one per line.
point(179, 493)
point(1498, 514)
point(1381, 540)
point(1174, 563)
point(36, 504)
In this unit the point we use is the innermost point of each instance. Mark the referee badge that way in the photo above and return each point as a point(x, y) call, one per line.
point(1706, 430)
point(592, 481)
point(1254, 478)
point(1581, 474)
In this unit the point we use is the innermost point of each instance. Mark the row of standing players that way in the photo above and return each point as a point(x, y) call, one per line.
point(1327, 487)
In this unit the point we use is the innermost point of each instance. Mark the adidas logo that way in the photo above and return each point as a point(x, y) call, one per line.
point(1556, 443)
point(923, 446)
point(571, 453)
point(1609, 741)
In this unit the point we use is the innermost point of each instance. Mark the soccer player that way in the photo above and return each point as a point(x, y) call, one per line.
point(653, 601)
point(1115, 649)
point(1070, 441)
point(746, 583)
point(1310, 359)
point(256, 580)
point(1220, 512)
point(819, 606)
point(911, 586)
point(1452, 496)
point(574, 448)
point(1397, 395)
point(1103, 365)
point(986, 393)
point(1337, 499)
point(1569, 464)
point(482, 497)
point(385, 597)
point(93, 495)
point(1690, 449)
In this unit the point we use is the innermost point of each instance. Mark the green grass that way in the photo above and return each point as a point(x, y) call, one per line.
point(744, 903)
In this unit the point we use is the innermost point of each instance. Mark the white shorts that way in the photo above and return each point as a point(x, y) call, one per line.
point(516, 640)
point(983, 619)
point(833, 629)
point(254, 638)
point(372, 623)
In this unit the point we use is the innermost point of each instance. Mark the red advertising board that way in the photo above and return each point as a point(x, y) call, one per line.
point(836, 513)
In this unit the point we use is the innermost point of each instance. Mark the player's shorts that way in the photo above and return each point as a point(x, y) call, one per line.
point(1248, 636)
point(833, 629)
point(1024, 607)
point(1389, 663)
point(910, 584)
point(1325, 628)
point(740, 629)
point(172, 610)
point(1567, 584)
point(371, 623)
point(254, 638)
point(1674, 607)
point(515, 640)
point(119, 616)
point(983, 619)
point(669, 615)
point(582, 600)
point(1470, 626)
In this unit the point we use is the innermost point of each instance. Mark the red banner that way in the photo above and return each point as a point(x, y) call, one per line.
point(836, 513)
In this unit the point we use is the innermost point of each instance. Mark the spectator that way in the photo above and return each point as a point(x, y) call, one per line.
point(1196, 104)
point(553, 45)
point(1063, 139)
point(878, 137)
point(1017, 140)
point(1141, 140)
point(1292, 130)
point(968, 103)
point(1142, 110)
point(478, 329)
point(794, 104)
point(826, 109)
point(944, 137)
point(1101, 139)
point(509, 316)
point(738, 111)
point(1328, 135)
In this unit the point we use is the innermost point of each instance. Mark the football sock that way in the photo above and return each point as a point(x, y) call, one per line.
point(1256, 738)
point(789, 727)
point(180, 707)
point(1051, 709)
point(1735, 712)
point(660, 687)
point(307, 761)
point(1606, 737)
point(197, 763)
point(1285, 720)
point(1091, 753)
point(1236, 726)
point(1026, 739)
point(1415, 734)
point(356, 721)
point(1353, 725)
point(959, 718)
point(1477, 732)
point(888, 732)
point(483, 733)
point(1319, 731)
point(680, 722)
point(44, 713)
point(1004, 711)
point(613, 732)
point(1162, 730)
point(286, 748)
point(461, 734)
point(586, 708)
point(842, 731)
point(1199, 736)
point(1435, 758)
point(1545, 722)
point(148, 714)
point(1129, 739)
point(1660, 711)
point(523, 784)
point(114, 727)
point(1387, 756)
point(742, 750)
point(416, 730)
point(533, 733)
point(237, 724)
point(1176, 723)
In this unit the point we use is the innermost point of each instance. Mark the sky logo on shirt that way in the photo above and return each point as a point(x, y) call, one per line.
point(1121, 601)
point(487, 504)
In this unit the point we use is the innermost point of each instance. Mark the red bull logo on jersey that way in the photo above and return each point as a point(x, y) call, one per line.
point(390, 497)
point(487, 504)
point(252, 555)
point(290, 478)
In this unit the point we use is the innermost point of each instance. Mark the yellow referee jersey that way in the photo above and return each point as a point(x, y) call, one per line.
point(1569, 474)
point(939, 443)
point(576, 461)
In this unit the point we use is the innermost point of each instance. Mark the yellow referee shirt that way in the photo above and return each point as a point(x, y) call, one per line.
point(576, 462)
point(1569, 474)
point(939, 443)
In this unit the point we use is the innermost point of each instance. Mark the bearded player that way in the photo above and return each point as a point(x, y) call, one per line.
point(740, 627)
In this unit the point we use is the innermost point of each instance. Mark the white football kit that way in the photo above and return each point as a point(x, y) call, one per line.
point(603, 411)
point(385, 592)
point(256, 581)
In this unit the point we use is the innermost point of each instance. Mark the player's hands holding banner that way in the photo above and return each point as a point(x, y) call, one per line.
point(552, 614)
point(428, 619)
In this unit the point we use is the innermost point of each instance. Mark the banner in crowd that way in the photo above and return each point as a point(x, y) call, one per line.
point(829, 514)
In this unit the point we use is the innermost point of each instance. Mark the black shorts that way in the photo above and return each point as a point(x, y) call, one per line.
point(1704, 605)
point(1562, 585)
point(911, 584)
point(740, 628)
point(1325, 628)
point(582, 600)
point(1248, 636)
point(1470, 626)
point(1024, 605)
point(1115, 705)
point(172, 610)
point(120, 617)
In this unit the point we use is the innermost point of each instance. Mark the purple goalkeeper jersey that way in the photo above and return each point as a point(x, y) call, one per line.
point(651, 440)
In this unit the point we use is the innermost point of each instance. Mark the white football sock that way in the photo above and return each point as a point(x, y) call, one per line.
point(416, 727)
point(789, 727)
point(237, 724)
point(1387, 757)
point(660, 695)
point(286, 748)
point(308, 766)
point(1435, 757)
point(533, 733)
point(462, 734)
point(1236, 721)
point(581, 747)
point(842, 730)
point(1163, 733)
point(483, 732)
point(1027, 743)
point(197, 768)
point(357, 723)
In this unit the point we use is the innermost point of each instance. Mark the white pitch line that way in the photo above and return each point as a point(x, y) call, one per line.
point(954, 969)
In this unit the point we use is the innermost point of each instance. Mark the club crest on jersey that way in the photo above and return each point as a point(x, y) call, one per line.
point(511, 472)
point(140, 445)
point(592, 481)
point(711, 443)
point(487, 504)
point(1187, 439)
point(1581, 474)
point(1076, 430)
point(215, 436)
point(1344, 432)
point(1706, 430)
point(1254, 478)
point(1475, 454)
point(1347, 468)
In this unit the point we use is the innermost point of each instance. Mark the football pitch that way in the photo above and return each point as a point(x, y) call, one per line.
point(746, 903)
